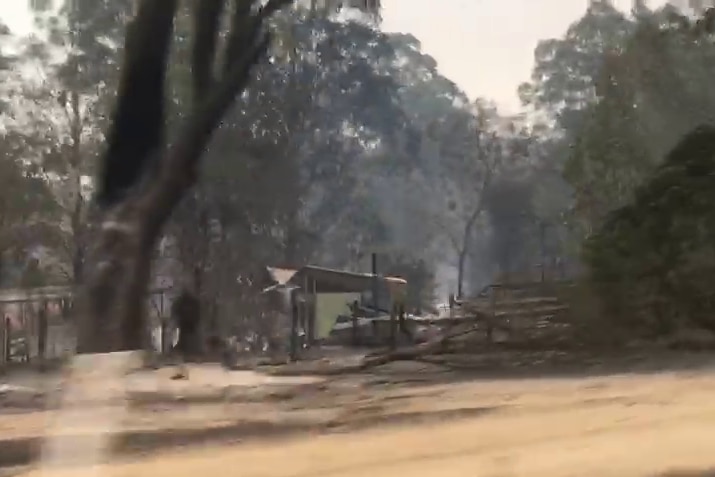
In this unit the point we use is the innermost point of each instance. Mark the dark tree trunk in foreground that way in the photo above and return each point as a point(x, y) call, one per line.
point(143, 179)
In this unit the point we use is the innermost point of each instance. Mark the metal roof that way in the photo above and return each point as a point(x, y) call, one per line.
point(332, 280)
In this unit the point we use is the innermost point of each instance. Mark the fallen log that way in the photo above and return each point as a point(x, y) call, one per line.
point(435, 346)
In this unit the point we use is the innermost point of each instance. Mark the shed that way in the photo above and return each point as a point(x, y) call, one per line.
point(326, 293)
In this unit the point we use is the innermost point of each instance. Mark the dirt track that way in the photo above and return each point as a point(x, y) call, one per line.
point(622, 425)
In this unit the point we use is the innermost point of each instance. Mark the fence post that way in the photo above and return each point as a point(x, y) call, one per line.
point(6, 338)
point(393, 326)
point(312, 309)
point(3, 343)
point(42, 330)
point(27, 331)
point(354, 318)
point(492, 315)
point(293, 327)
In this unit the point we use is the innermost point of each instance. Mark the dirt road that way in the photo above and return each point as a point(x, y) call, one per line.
point(625, 425)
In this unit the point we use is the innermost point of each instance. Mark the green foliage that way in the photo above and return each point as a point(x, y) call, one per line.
point(651, 89)
point(322, 128)
point(609, 156)
point(566, 68)
point(653, 260)
point(88, 33)
point(575, 143)
point(61, 118)
point(620, 93)
point(27, 206)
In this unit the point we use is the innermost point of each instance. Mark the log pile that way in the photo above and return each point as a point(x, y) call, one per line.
point(502, 317)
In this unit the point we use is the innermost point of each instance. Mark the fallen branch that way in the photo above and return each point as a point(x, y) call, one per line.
point(437, 345)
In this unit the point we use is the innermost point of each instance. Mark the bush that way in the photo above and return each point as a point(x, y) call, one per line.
point(652, 262)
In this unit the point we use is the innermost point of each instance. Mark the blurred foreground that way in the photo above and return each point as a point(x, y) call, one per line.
point(402, 419)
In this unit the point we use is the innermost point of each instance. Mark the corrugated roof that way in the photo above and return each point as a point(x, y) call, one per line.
point(335, 280)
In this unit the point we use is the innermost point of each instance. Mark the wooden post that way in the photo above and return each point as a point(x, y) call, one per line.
point(375, 286)
point(6, 326)
point(42, 331)
point(312, 313)
point(354, 309)
point(163, 336)
point(161, 304)
point(165, 341)
point(542, 240)
point(304, 315)
point(491, 316)
point(293, 327)
point(3, 342)
point(402, 319)
point(27, 331)
point(393, 327)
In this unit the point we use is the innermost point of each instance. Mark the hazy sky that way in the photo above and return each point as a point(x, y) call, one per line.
point(485, 46)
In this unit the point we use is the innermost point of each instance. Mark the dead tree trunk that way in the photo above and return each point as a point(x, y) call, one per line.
point(143, 179)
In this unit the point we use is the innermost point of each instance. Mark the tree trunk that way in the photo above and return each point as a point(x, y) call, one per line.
point(463, 249)
point(460, 273)
point(117, 282)
point(135, 206)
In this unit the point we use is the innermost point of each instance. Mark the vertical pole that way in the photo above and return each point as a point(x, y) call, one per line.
point(393, 326)
point(402, 320)
point(293, 327)
point(163, 332)
point(375, 290)
point(6, 325)
point(491, 316)
point(305, 315)
point(163, 325)
point(3, 340)
point(27, 331)
point(354, 310)
point(542, 238)
point(312, 312)
point(6, 334)
point(42, 332)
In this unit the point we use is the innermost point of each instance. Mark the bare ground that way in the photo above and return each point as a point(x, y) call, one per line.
point(404, 419)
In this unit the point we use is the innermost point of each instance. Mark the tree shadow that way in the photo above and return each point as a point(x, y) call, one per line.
point(26, 451)
point(688, 473)
point(589, 365)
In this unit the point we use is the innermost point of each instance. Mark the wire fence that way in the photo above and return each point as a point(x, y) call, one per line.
point(37, 324)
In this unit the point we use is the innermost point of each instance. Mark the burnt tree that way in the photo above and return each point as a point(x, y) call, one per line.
point(143, 176)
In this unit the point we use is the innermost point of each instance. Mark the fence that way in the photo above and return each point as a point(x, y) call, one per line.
point(36, 322)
